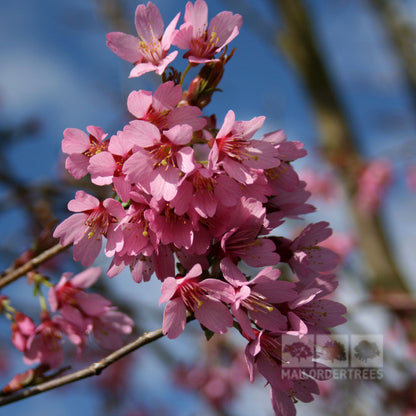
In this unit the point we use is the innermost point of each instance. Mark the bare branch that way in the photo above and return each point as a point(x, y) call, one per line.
point(13, 275)
point(92, 370)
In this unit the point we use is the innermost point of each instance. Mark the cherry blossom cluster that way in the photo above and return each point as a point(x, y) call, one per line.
point(193, 202)
point(76, 314)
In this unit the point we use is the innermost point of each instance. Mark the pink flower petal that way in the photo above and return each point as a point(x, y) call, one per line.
point(75, 141)
point(174, 318)
point(125, 46)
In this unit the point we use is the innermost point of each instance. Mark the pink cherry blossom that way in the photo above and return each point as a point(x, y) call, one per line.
point(241, 237)
point(233, 150)
point(22, 328)
point(311, 311)
point(75, 305)
point(87, 312)
point(290, 204)
point(81, 147)
point(109, 327)
point(203, 298)
point(283, 176)
point(264, 354)
point(309, 259)
point(283, 402)
point(162, 109)
point(203, 190)
point(170, 227)
point(255, 298)
point(107, 167)
point(160, 261)
point(148, 52)
point(205, 41)
point(159, 161)
point(137, 237)
point(92, 220)
point(44, 346)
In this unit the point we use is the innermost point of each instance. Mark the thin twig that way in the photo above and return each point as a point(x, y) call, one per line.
point(31, 264)
point(92, 370)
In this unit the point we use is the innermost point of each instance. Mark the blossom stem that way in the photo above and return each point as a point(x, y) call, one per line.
point(92, 370)
point(42, 302)
point(14, 274)
point(184, 73)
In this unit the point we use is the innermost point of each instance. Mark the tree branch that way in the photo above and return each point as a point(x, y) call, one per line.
point(92, 370)
point(13, 275)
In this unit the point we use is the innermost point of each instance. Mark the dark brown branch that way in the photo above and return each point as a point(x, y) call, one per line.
point(13, 275)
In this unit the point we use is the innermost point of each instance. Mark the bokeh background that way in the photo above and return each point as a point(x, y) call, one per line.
point(338, 75)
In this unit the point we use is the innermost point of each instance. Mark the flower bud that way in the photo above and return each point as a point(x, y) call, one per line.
point(205, 84)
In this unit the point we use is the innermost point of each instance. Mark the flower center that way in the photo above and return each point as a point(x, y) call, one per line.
point(192, 295)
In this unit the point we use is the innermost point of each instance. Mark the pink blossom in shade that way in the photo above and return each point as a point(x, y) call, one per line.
point(310, 312)
point(233, 150)
point(264, 354)
point(142, 267)
point(290, 204)
point(83, 312)
point(44, 346)
point(169, 227)
point(309, 259)
point(203, 298)
point(76, 334)
point(77, 306)
point(373, 184)
point(80, 147)
point(92, 220)
point(283, 176)
point(161, 161)
point(109, 328)
point(22, 328)
point(205, 41)
point(287, 150)
point(248, 212)
point(148, 52)
point(188, 259)
point(259, 189)
point(283, 402)
point(240, 241)
point(255, 299)
point(162, 109)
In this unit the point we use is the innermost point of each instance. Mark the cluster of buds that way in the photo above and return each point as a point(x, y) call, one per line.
point(194, 201)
